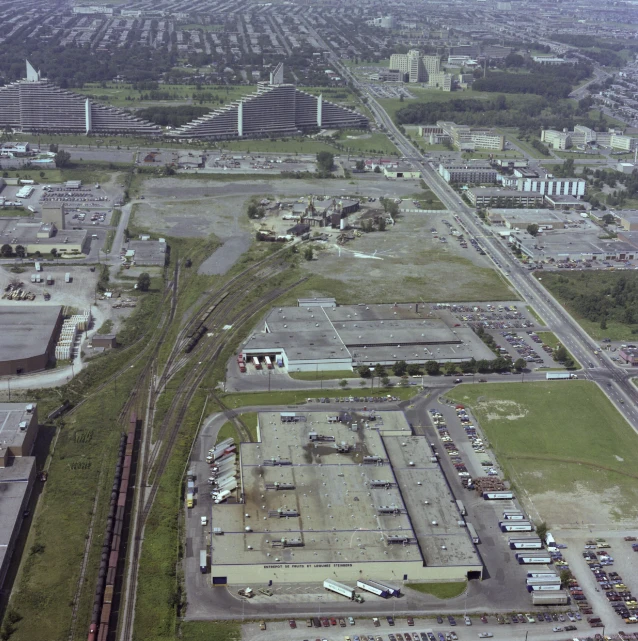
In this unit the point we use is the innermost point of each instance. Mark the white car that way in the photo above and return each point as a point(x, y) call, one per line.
point(557, 629)
point(485, 635)
point(204, 520)
point(468, 621)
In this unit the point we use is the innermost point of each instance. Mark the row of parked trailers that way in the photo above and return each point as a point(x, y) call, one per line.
point(380, 589)
point(112, 544)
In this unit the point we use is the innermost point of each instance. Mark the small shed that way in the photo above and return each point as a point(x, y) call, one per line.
point(104, 340)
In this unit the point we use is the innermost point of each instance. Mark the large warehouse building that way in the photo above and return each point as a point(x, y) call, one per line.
point(275, 109)
point(27, 337)
point(18, 430)
point(347, 497)
point(36, 105)
point(319, 335)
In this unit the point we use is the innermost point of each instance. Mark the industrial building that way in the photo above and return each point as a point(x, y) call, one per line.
point(319, 335)
point(28, 337)
point(275, 109)
point(521, 218)
point(36, 105)
point(18, 431)
point(42, 236)
point(343, 497)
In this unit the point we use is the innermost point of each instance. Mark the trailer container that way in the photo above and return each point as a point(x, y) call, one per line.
point(541, 573)
point(38, 267)
point(474, 536)
point(256, 363)
point(515, 526)
point(268, 362)
point(228, 486)
point(559, 376)
point(461, 507)
point(67, 277)
point(531, 543)
point(375, 588)
point(550, 598)
point(525, 558)
point(340, 588)
point(222, 496)
point(498, 495)
point(543, 587)
point(543, 580)
point(203, 561)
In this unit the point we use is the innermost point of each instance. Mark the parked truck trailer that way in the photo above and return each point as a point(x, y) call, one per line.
point(344, 590)
point(559, 597)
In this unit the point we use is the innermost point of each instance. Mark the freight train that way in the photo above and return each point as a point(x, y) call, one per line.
point(112, 543)
point(199, 328)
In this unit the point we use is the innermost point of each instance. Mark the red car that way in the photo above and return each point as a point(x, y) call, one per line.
point(292, 623)
point(333, 621)
point(410, 621)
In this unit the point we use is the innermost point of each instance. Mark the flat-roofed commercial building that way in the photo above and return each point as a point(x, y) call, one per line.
point(544, 183)
point(311, 338)
point(18, 431)
point(583, 136)
point(521, 218)
point(43, 237)
point(27, 337)
point(477, 173)
point(315, 528)
point(466, 138)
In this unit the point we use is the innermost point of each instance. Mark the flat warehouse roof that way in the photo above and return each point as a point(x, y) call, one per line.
point(26, 331)
point(334, 514)
point(11, 416)
point(365, 333)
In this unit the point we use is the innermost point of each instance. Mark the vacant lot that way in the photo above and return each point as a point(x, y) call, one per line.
point(570, 455)
point(604, 303)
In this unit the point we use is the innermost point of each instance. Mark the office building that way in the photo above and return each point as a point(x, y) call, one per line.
point(38, 106)
point(275, 109)
point(585, 137)
point(466, 138)
point(540, 181)
point(495, 197)
point(478, 173)
point(416, 67)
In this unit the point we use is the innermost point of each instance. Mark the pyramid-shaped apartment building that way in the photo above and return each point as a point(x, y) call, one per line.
point(36, 105)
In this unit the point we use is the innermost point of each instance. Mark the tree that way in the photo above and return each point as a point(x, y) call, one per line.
point(325, 161)
point(42, 174)
point(541, 530)
point(414, 369)
point(308, 253)
point(62, 158)
point(382, 224)
point(53, 148)
point(608, 219)
point(400, 368)
point(385, 381)
point(449, 368)
point(54, 252)
point(343, 383)
point(560, 354)
point(519, 364)
point(360, 165)
point(364, 372)
point(379, 370)
point(377, 169)
point(432, 368)
point(21, 252)
point(6, 251)
point(603, 322)
point(143, 282)
point(532, 229)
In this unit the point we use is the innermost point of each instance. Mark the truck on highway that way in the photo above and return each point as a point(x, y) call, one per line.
point(342, 589)
point(560, 376)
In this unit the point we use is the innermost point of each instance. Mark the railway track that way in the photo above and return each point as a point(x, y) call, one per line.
point(157, 458)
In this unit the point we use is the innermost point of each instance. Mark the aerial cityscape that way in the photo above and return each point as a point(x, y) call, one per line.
point(319, 320)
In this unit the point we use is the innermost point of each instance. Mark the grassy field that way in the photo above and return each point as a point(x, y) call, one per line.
point(512, 135)
point(577, 155)
point(470, 155)
point(427, 199)
point(228, 429)
point(284, 146)
point(547, 437)
point(440, 590)
point(549, 338)
point(356, 142)
point(588, 283)
point(210, 631)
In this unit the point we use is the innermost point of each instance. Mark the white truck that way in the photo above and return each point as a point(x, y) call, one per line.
point(67, 277)
point(342, 589)
point(222, 496)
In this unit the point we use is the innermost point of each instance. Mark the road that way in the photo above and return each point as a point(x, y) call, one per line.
point(614, 381)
